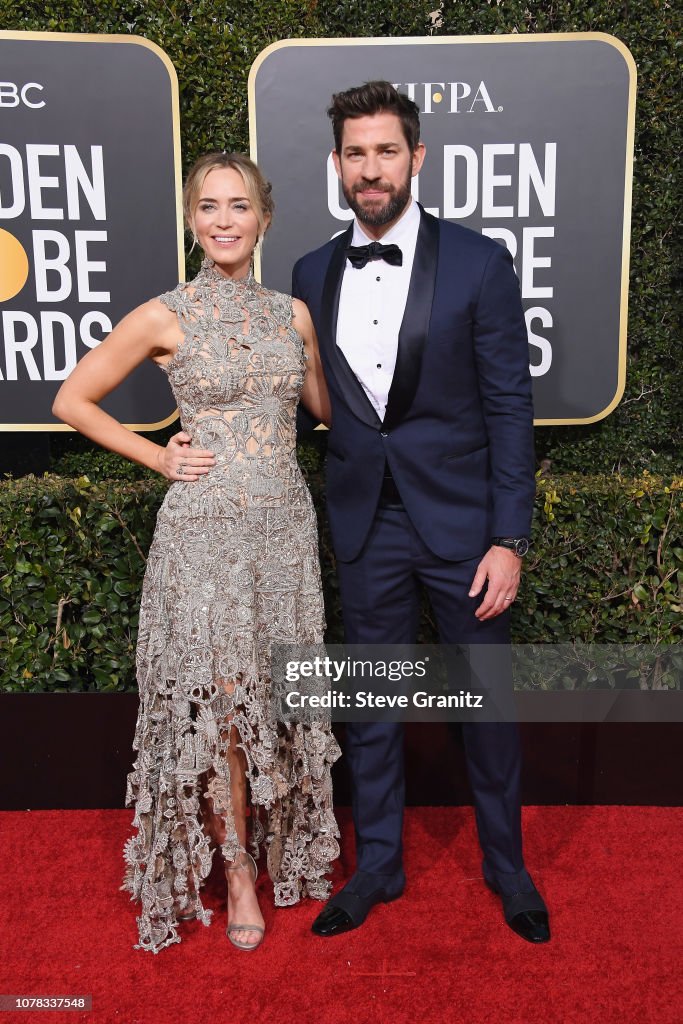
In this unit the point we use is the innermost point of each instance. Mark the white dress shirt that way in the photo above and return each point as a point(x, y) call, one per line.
point(371, 307)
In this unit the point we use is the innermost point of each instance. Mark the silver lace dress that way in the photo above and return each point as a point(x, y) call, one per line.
point(233, 567)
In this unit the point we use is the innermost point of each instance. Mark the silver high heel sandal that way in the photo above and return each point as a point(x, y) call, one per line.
point(244, 927)
point(188, 914)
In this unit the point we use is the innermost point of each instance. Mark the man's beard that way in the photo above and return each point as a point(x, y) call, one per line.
point(377, 216)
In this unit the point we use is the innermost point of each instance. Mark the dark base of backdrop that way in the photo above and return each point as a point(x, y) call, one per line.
point(74, 751)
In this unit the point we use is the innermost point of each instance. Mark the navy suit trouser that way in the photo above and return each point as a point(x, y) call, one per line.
point(380, 592)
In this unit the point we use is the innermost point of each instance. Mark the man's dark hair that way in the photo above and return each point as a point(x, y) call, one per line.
point(375, 98)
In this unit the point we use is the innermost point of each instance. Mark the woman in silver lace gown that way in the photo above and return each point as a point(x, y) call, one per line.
point(233, 568)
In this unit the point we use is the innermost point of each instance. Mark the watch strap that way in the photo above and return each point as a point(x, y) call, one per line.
point(520, 545)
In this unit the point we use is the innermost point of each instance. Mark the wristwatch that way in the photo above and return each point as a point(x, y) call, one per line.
point(520, 545)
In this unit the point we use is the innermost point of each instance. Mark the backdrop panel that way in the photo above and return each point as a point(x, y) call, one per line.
point(90, 221)
point(529, 139)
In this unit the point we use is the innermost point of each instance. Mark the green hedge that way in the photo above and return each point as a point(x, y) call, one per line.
point(213, 43)
point(606, 566)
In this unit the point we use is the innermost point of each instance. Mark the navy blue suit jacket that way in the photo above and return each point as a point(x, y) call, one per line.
point(458, 429)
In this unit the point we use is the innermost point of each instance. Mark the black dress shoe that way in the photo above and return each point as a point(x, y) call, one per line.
point(532, 925)
point(525, 912)
point(333, 921)
point(352, 904)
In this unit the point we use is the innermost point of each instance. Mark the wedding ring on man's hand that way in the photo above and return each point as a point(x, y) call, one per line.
point(508, 598)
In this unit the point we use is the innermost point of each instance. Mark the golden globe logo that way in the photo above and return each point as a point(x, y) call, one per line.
point(14, 263)
point(51, 183)
point(514, 152)
point(90, 213)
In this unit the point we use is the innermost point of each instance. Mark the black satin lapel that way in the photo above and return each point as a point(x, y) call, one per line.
point(415, 326)
point(355, 396)
point(331, 290)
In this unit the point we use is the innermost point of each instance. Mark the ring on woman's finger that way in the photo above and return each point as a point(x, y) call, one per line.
point(181, 469)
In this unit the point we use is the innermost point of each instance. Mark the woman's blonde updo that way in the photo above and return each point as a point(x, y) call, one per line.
point(258, 189)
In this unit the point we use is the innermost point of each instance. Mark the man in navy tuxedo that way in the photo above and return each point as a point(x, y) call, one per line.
point(430, 473)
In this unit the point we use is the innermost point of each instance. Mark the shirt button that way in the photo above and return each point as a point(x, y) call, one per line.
point(379, 366)
point(375, 321)
point(378, 279)
point(383, 433)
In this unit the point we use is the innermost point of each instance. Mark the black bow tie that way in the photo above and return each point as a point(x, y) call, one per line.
point(360, 255)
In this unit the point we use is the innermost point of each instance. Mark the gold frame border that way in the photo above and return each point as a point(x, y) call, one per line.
point(542, 37)
point(92, 37)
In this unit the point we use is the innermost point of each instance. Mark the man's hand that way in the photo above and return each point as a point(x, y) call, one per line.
point(503, 569)
point(178, 461)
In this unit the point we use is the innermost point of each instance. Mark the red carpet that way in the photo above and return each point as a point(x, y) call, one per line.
point(611, 876)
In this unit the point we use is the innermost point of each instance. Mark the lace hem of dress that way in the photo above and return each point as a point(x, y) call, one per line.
point(170, 858)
